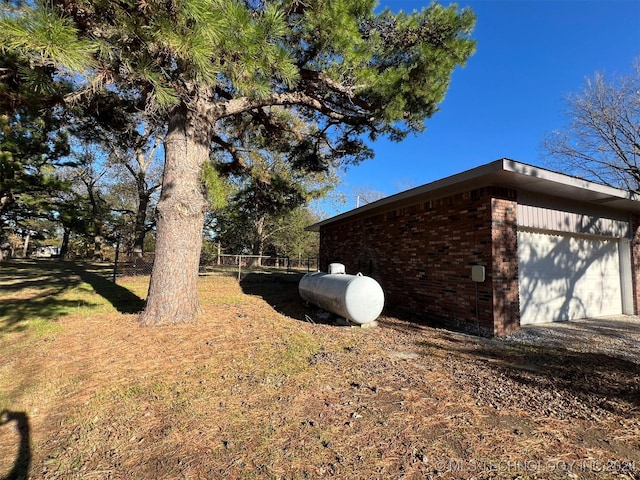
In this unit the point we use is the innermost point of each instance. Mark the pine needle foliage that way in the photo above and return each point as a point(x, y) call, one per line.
point(46, 38)
point(338, 61)
point(213, 70)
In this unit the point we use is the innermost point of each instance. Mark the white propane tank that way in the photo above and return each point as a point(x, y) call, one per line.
point(354, 297)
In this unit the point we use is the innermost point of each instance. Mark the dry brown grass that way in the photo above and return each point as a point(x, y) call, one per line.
point(252, 390)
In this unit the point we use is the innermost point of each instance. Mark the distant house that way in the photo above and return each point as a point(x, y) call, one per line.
point(496, 247)
point(48, 251)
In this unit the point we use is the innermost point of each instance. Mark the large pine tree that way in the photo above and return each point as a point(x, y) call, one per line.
point(198, 64)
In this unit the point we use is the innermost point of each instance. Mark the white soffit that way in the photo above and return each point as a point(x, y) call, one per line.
point(535, 179)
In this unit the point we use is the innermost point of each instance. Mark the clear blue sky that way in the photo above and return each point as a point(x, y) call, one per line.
point(530, 55)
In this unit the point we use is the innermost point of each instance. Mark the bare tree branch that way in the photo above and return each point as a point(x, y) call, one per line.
point(602, 139)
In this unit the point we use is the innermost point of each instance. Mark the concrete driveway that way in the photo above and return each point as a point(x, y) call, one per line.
point(616, 336)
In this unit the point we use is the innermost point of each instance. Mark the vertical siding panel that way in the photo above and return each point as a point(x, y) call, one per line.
point(549, 213)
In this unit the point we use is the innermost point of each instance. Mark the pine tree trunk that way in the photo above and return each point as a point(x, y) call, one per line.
point(64, 248)
point(140, 228)
point(173, 294)
point(258, 242)
point(25, 248)
point(98, 240)
point(98, 227)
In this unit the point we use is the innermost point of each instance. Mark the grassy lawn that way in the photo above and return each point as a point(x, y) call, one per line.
point(259, 387)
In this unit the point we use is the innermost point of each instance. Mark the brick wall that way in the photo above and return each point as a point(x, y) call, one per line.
point(422, 255)
point(504, 232)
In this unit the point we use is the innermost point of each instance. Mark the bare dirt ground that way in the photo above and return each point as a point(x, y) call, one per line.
point(260, 387)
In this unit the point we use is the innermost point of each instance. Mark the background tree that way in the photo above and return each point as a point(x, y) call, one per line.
point(365, 195)
point(290, 237)
point(142, 165)
point(199, 63)
point(260, 213)
point(130, 140)
point(30, 147)
point(33, 140)
point(89, 173)
point(602, 139)
point(268, 187)
point(73, 214)
point(284, 235)
point(132, 202)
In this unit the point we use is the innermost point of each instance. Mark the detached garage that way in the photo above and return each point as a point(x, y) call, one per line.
point(543, 247)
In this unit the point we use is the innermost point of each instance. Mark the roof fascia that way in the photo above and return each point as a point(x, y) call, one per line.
point(506, 173)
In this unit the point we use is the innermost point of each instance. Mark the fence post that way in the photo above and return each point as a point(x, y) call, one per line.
point(115, 261)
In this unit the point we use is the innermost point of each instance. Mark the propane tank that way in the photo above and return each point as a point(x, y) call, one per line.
point(355, 297)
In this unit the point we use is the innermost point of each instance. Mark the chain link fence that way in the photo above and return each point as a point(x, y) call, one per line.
point(125, 266)
point(224, 263)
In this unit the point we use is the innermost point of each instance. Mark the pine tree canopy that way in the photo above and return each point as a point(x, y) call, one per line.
point(213, 71)
point(343, 66)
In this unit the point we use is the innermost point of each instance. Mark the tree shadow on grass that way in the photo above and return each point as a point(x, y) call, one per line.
point(280, 290)
point(43, 290)
point(15, 313)
point(19, 274)
point(33, 290)
point(99, 277)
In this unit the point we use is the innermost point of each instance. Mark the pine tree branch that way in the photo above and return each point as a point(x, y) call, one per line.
point(239, 105)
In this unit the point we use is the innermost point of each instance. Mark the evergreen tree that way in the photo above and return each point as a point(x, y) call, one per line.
point(290, 237)
point(268, 186)
point(200, 63)
point(30, 147)
point(32, 136)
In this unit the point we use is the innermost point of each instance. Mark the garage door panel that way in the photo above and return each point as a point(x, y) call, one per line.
point(564, 277)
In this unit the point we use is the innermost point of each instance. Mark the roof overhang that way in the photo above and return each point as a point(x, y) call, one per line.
point(504, 173)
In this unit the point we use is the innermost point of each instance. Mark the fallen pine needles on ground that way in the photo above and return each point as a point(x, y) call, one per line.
point(252, 390)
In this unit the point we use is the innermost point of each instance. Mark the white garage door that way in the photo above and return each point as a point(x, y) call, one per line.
point(567, 277)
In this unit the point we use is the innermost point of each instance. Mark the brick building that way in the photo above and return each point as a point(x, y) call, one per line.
point(492, 248)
